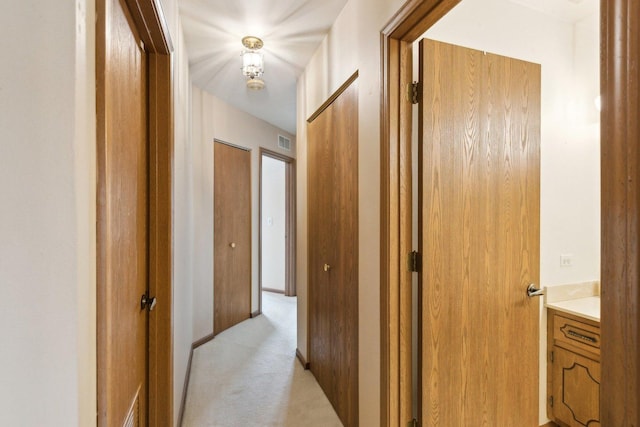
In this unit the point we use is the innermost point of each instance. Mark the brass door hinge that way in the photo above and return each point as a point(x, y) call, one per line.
point(414, 261)
point(413, 92)
point(551, 401)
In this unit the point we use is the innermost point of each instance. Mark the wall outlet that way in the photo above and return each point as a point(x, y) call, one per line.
point(566, 260)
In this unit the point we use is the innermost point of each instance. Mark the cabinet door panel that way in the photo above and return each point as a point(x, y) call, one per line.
point(576, 389)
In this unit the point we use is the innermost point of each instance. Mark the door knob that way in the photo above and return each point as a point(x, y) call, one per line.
point(148, 302)
point(532, 291)
point(327, 267)
point(232, 245)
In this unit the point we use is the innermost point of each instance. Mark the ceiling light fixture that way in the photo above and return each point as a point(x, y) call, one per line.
point(253, 62)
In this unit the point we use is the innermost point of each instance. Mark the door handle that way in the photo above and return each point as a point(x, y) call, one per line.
point(532, 291)
point(148, 302)
point(232, 245)
point(326, 267)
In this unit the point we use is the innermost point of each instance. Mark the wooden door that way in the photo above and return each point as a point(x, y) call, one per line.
point(479, 226)
point(231, 236)
point(333, 251)
point(123, 227)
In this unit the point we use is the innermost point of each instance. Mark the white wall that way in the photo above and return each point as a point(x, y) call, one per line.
point(273, 223)
point(47, 213)
point(214, 119)
point(352, 44)
point(570, 156)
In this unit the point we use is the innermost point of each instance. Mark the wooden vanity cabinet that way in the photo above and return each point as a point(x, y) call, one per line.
point(573, 370)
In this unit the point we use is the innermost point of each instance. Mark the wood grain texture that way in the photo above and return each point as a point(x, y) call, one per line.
point(405, 205)
point(160, 239)
point(576, 389)
point(620, 263)
point(390, 242)
point(333, 240)
point(480, 172)
point(231, 236)
point(123, 218)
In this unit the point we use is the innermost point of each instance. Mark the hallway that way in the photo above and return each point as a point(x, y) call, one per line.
point(249, 376)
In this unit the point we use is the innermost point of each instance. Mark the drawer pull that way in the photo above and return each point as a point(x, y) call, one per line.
point(582, 337)
point(578, 335)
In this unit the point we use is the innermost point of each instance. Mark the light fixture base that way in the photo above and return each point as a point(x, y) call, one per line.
point(251, 42)
point(255, 84)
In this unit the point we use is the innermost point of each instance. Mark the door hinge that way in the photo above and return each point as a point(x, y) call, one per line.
point(414, 261)
point(551, 401)
point(551, 357)
point(412, 423)
point(413, 92)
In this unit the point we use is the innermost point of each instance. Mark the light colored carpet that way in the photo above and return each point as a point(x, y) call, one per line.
point(249, 376)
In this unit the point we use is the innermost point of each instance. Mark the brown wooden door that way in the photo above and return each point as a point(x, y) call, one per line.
point(333, 252)
point(479, 227)
point(123, 228)
point(231, 236)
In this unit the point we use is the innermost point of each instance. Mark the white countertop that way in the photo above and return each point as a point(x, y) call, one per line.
point(588, 307)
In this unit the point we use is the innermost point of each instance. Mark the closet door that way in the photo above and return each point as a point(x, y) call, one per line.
point(232, 236)
point(333, 251)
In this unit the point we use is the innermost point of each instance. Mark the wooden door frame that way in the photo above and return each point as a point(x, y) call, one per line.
point(153, 30)
point(290, 223)
point(620, 210)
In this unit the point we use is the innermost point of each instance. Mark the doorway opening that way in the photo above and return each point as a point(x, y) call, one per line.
point(277, 224)
point(618, 270)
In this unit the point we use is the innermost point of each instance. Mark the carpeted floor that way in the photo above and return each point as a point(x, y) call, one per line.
point(249, 376)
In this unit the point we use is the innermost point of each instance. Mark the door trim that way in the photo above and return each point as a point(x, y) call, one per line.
point(290, 227)
point(352, 78)
point(397, 37)
point(620, 210)
point(147, 15)
point(620, 192)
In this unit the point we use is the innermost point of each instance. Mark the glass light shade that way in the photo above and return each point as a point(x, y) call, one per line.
point(255, 84)
point(252, 64)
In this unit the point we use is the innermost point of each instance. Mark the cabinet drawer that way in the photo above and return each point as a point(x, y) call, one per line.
point(577, 334)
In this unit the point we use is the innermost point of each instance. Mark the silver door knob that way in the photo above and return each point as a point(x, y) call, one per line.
point(327, 267)
point(532, 291)
point(232, 245)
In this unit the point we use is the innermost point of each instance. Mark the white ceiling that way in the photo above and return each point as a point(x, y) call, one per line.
point(566, 10)
point(291, 31)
